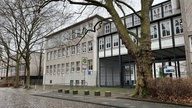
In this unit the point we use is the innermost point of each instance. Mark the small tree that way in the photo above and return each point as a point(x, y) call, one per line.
point(28, 25)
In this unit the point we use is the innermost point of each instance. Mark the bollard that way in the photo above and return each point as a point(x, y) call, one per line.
point(107, 93)
point(60, 90)
point(86, 92)
point(75, 92)
point(97, 93)
point(66, 91)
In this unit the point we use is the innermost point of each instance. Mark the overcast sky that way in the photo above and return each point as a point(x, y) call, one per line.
point(88, 12)
point(104, 13)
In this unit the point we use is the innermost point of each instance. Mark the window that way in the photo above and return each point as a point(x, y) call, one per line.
point(48, 54)
point(190, 43)
point(71, 82)
point(78, 48)
point(107, 28)
point(77, 82)
point(50, 72)
point(84, 47)
point(167, 9)
point(132, 37)
point(101, 43)
point(115, 41)
point(129, 21)
point(113, 27)
point(78, 32)
point(84, 30)
point(121, 42)
point(72, 66)
point(59, 53)
point(137, 20)
point(73, 50)
point(67, 67)
point(156, 13)
point(47, 70)
point(165, 28)
point(63, 68)
point(63, 51)
point(178, 26)
point(82, 82)
point(54, 69)
point(90, 64)
point(108, 42)
point(51, 55)
point(90, 46)
point(78, 66)
point(154, 31)
point(58, 69)
point(68, 51)
point(90, 25)
point(55, 54)
point(73, 34)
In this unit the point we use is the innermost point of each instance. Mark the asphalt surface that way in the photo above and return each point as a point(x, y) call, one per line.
point(50, 98)
point(109, 101)
point(21, 98)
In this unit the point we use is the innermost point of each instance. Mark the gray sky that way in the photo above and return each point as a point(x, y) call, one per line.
point(104, 13)
point(101, 11)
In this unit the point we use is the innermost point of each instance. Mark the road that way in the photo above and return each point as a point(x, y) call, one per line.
point(21, 98)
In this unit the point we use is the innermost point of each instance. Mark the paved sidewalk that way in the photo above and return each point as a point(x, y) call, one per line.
point(108, 101)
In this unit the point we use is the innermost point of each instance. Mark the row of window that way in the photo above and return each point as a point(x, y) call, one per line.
point(70, 50)
point(134, 20)
point(69, 35)
point(163, 27)
point(67, 67)
point(166, 29)
point(108, 40)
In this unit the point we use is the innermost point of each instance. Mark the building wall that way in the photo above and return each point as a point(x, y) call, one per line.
point(167, 43)
point(34, 66)
point(61, 75)
point(186, 10)
point(35, 63)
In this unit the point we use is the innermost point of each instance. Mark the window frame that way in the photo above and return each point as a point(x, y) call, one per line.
point(152, 31)
point(165, 31)
point(179, 26)
point(72, 67)
point(78, 66)
point(115, 40)
point(73, 50)
point(90, 46)
point(84, 47)
point(90, 64)
point(101, 43)
point(108, 42)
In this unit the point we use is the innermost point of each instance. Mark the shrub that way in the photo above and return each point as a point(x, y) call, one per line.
point(169, 89)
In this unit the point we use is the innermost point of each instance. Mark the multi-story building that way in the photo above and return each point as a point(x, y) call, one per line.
point(109, 63)
point(117, 67)
point(35, 71)
point(65, 50)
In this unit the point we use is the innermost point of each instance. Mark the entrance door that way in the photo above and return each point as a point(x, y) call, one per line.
point(129, 74)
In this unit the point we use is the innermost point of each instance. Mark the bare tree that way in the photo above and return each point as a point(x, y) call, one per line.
point(28, 25)
point(142, 52)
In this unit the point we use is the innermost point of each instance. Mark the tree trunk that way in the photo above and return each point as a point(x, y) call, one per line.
point(7, 71)
point(27, 84)
point(144, 72)
point(17, 69)
point(144, 54)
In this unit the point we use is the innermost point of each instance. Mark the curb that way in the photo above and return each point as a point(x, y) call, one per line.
point(154, 101)
point(96, 103)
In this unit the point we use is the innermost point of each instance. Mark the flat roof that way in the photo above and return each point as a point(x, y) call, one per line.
point(73, 25)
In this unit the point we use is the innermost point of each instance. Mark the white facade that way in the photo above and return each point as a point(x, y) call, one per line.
point(167, 44)
point(64, 52)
